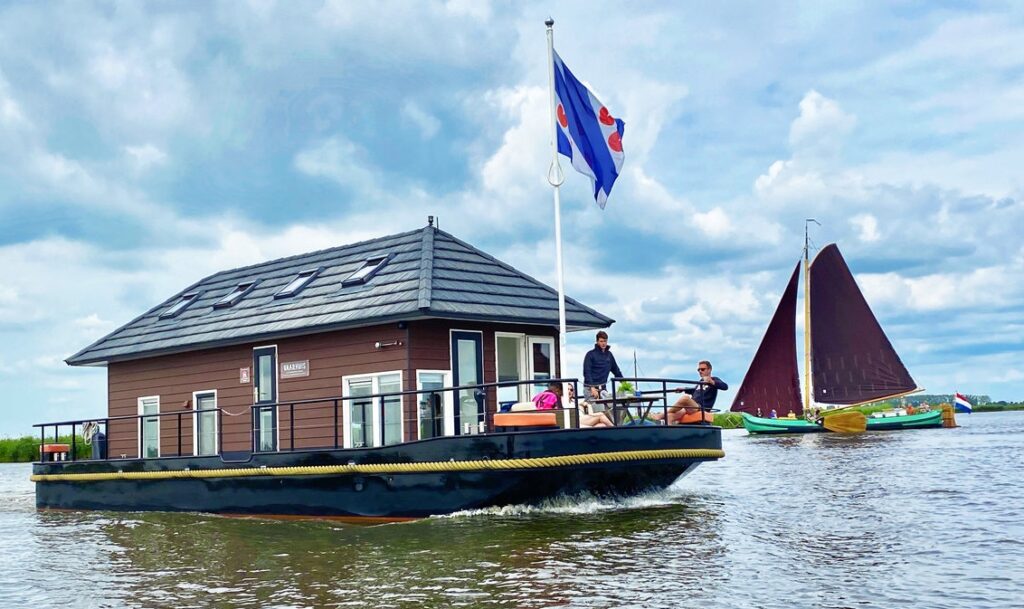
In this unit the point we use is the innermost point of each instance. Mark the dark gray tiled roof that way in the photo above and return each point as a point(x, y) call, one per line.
point(430, 274)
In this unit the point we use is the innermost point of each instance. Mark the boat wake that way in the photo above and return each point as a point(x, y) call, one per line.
point(583, 503)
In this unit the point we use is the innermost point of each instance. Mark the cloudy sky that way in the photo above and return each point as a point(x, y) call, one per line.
point(145, 145)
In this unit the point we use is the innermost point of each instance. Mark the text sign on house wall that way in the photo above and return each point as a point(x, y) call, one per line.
point(243, 375)
point(294, 369)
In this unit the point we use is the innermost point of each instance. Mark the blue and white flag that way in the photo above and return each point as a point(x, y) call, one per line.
point(961, 404)
point(587, 133)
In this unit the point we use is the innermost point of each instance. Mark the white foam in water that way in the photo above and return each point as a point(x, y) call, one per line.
point(583, 503)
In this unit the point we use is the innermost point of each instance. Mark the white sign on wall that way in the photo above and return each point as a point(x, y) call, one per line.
point(294, 369)
point(243, 375)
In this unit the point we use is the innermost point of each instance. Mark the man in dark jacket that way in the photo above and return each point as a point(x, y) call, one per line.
point(702, 397)
point(599, 362)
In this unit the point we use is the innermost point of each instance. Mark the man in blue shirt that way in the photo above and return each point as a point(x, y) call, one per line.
point(598, 362)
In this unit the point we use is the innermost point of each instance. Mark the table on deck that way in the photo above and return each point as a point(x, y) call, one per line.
point(642, 403)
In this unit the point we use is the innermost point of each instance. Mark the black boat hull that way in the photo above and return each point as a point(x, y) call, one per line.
point(514, 468)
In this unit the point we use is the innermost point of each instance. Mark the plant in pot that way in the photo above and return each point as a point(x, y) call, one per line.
point(624, 389)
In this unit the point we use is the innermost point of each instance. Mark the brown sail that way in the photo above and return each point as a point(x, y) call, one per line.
point(773, 382)
point(851, 358)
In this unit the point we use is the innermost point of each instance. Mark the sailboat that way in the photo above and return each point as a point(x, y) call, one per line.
point(849, 361)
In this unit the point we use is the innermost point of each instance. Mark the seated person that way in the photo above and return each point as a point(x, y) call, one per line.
point(550, 398)
point(589, 418)
point(700, 398)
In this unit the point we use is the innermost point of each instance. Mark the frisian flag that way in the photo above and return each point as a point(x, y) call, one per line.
point(587, 133)
point(961, 404)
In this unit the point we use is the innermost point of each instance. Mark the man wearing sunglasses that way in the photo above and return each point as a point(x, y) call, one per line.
point(698, 401)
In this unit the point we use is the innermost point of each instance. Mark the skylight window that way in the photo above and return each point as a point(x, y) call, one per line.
point(296, 285)
point(180, 305)
point(231, 298)
point(367, 271)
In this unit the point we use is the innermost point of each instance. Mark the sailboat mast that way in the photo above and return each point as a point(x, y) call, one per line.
point(807, 314)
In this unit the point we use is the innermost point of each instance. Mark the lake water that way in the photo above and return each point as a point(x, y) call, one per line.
point(930, 518)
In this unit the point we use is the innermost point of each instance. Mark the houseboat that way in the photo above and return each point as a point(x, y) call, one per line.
point(362, 381)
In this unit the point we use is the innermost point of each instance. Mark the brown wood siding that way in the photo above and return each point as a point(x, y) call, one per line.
point(430, 349)
point(425, 345)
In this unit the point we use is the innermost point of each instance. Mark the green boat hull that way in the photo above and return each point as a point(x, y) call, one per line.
point(921, 420)
point(761, 425)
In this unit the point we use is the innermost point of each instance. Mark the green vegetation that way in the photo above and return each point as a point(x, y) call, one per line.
point(729, 420)
point(624, 388)
point(26, 449)
point(999, 406)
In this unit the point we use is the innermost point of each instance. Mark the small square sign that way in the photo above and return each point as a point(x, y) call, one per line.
point(243, 375)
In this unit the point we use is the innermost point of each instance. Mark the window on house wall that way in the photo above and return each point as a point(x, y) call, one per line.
point(180, 305)
point(231, 298)
point(363, 274)
point(206, 423)
point(298, 284)
point(374, 421)
point(431, 406)
point(149, 427)
point(541, 359)
point(510, 351)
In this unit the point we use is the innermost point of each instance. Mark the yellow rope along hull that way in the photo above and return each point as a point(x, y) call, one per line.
point(396, 468)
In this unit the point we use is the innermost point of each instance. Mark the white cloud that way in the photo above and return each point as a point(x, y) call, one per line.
point(341, 161)
point(145, 156)
point(821, 128)
point(427, 123)
point(868, 226)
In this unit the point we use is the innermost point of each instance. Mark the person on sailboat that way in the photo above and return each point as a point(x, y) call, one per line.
point(598, 362)
point(699, 399)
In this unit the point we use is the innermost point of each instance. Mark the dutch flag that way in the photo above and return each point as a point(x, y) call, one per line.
point(961, 404)
point(587, 133)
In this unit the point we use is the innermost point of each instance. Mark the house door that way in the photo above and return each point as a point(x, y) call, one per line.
point(468, 369)
point(541, 356)
point(264, 391)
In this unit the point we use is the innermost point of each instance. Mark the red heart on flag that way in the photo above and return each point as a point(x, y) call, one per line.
point(615, 142)
point(605, 117)
point(562, 120)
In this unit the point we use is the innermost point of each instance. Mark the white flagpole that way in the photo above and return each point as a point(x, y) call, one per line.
point(555, 178)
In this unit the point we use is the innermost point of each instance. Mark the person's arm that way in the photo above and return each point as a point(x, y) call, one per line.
point(719, 383)
point(615, 367)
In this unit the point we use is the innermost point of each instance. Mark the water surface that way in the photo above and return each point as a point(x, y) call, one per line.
point(929, 518)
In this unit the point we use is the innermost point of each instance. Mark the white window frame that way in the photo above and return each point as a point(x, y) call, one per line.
point(378, 429)
point(195, 422)
point(142, 422)
point(277, 389)
point(523, 361)
point(447, 406)
point(534, 340)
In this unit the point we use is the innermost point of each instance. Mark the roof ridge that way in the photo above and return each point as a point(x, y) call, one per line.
point(426, 267)
point(516, 271)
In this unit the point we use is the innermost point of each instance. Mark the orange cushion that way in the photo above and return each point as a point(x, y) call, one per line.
point(55, 448)
point(696, 417)
point(525, 419)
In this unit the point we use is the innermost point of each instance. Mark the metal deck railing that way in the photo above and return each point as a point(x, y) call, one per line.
point(325, 423)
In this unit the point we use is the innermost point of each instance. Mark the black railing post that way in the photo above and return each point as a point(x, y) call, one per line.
point(73, 443)
point(220, 431)
point(179, 436)
point(42, 440)
point(335, 423)
point(252, 426)
point(291, 426)
point(382, 421)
